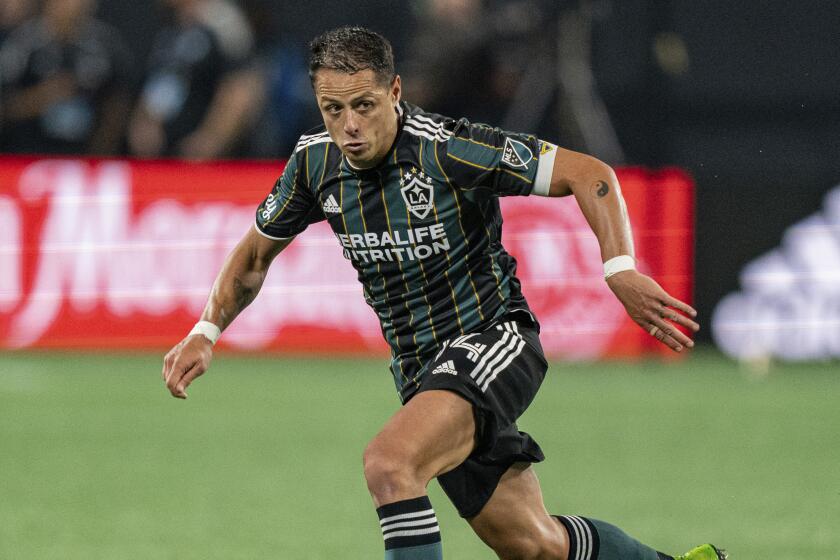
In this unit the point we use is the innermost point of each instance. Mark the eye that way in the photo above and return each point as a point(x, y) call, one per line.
point(332, 109)
point(365, 105)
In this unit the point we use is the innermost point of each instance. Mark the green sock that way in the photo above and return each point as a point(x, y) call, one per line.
point(590, 539)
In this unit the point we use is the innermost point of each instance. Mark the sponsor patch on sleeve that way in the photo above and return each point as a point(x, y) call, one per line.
point(515, 154)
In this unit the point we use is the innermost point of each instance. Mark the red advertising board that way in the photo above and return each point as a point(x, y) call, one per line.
point(114, 254)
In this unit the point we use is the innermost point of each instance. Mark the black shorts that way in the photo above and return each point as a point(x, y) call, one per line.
point(499, 371)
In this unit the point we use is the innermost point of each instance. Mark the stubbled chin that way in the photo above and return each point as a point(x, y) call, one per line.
point(360, 164)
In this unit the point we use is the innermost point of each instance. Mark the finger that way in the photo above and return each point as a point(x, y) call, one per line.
point(167, 363)
point(186, 379)
point(665, 339)
point(671, 343)
point(682, 320)
point(668, 334)
point(176, 373)
point(677, 304)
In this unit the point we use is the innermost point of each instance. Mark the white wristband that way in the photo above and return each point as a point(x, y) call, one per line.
point(210, 331)
point(619, 264)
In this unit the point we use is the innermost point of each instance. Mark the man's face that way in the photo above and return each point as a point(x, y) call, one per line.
point(359, 111)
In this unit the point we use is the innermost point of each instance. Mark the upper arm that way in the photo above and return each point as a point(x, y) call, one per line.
point(478, 156)
point(261, 250)
point(572, 170)
point(290, 206)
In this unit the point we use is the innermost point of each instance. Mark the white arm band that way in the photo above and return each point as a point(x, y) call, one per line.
point(619, 264)
point(545, 167)
point(210, 331)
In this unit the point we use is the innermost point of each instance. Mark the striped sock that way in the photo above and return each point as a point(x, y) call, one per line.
point(590, 539)
point(410, 530)
point(584, 543)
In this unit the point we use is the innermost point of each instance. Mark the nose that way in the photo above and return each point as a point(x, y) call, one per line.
point(351, 125)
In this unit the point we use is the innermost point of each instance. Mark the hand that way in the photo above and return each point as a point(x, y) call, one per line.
point(653, 309)
point(186, 361)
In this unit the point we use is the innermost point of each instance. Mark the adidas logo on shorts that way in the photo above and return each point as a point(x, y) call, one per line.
point(445, 367)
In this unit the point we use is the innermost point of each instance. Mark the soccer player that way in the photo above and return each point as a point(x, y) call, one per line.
point(413, 200)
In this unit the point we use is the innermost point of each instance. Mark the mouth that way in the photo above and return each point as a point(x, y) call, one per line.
point(355, 147)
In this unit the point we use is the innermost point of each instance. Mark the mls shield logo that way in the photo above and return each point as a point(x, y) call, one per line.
point(516, 155)
point(418, 193)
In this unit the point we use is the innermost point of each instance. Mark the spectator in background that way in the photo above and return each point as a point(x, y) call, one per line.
point(12, 14)
point(451, 61)
point(203, 88)
point(489, 60)
point(64, 82)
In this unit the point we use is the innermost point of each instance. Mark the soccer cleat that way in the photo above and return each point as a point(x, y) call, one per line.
point(704, 552)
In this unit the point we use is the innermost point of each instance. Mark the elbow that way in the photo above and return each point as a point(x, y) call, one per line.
point(597, 171)
point(593, 175)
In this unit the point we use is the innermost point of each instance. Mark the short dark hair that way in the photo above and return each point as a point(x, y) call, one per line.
point(352, 49)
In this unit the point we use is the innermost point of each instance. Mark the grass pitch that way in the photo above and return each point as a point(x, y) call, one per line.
point(264, 459)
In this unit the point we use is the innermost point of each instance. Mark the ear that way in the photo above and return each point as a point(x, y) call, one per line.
point(396, 89)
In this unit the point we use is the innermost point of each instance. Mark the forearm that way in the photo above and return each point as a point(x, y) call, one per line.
point(598, 194)
point(601, 202)
point(232, 292)
point(240, 279)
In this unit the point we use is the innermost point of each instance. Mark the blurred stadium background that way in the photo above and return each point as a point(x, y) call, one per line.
point(136, 138)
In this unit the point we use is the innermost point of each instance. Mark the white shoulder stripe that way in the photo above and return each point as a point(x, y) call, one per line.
point(308, 136)
point(432, 126)
point(425, 135)
point(436, 133)
point(305, 139)
point(425, 118)
point(312, 141)
point(440, 137)
point(428, 127)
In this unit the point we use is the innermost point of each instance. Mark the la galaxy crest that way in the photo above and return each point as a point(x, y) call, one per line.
point(418, 192)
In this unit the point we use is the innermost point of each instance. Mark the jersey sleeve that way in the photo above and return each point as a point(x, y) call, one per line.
point(290, 206)
point(506, 163)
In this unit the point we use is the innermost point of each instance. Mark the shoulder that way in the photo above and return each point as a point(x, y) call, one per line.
point(317, 136)
point(422, 124)
point(314, 158)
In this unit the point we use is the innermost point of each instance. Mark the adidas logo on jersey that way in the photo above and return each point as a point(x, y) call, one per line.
point(445, 367)
point(330, 206)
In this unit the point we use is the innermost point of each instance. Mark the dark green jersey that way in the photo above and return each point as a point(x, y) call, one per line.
point(423, 229)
